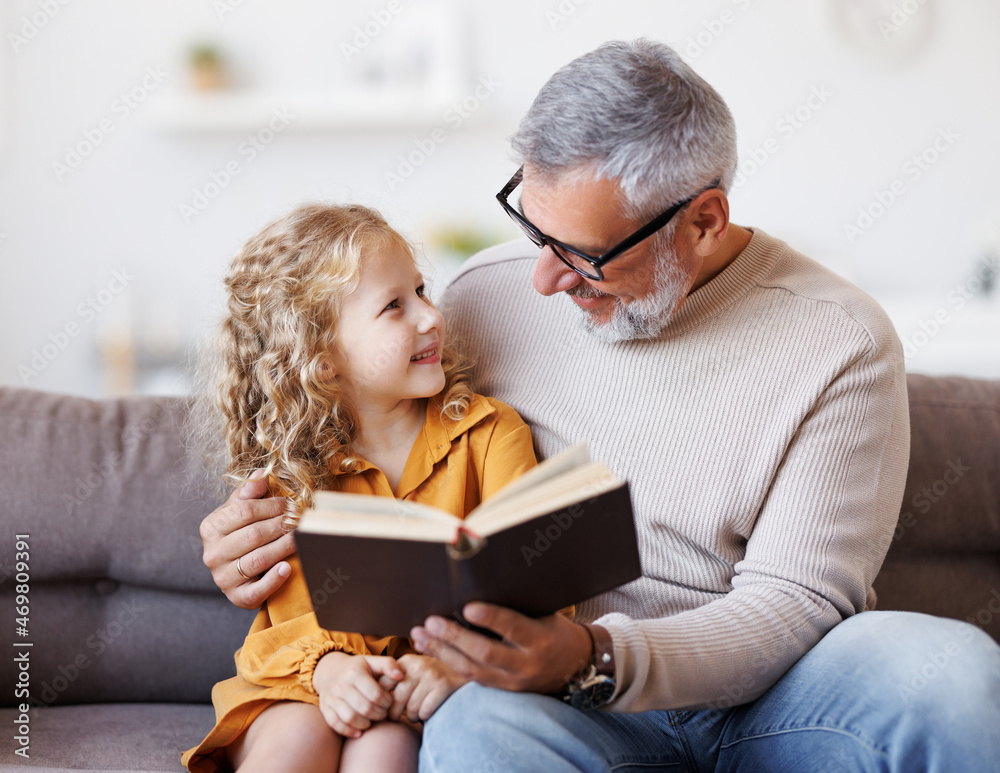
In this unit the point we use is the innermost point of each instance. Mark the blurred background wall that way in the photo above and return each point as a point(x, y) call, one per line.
point(142, 142)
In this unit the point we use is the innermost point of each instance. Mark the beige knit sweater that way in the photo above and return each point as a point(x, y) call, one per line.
point(765, 436)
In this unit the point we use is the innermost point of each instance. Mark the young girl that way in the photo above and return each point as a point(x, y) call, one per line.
point(334, 372)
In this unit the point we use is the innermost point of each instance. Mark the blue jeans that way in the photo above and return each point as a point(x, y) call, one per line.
point(883, 691)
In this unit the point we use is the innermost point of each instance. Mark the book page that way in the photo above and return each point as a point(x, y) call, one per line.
point(335, 512)
point(577, 485)
point(377, 525)
point(338, 502)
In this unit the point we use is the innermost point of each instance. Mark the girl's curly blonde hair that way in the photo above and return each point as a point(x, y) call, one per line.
point(269, 400)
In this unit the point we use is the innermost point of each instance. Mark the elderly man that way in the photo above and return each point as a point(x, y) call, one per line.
point(757, 404)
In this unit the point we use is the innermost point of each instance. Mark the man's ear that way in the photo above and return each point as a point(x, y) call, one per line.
point(708, 215)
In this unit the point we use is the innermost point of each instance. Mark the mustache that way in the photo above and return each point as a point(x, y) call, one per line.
point(584, 290)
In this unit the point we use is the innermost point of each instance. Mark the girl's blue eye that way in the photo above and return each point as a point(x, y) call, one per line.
point(420, 291)
point(394, 304)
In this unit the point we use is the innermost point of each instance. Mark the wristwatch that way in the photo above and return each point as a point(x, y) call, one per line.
point(595, 684)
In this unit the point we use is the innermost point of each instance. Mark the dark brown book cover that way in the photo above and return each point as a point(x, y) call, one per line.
point(385, 586)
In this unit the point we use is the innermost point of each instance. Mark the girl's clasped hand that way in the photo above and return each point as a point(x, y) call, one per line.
point(357, 690)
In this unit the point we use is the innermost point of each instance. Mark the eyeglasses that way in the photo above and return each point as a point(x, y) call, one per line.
point(581, 262)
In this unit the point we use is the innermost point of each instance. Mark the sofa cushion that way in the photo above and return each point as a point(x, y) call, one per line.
point(945, 555)
point(133, 737)
point(121, 606)
point(117, 495)
point(952, 497)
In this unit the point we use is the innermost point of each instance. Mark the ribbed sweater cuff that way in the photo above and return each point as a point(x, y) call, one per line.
point(631, 659)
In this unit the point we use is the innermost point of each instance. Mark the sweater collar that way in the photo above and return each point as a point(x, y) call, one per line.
point(745, 272)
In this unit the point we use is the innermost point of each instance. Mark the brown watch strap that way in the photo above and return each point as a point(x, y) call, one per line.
point(603, 658)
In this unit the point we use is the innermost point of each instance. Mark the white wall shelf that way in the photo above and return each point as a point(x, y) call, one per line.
point(253, 111)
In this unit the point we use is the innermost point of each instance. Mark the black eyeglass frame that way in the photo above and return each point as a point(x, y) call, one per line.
point(542, 240)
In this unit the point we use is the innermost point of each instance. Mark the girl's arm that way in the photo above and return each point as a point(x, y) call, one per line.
point(344, 674)
point(285, 643)
point(285, 655)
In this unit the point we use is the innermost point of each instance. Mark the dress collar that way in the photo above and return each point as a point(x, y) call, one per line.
point(434, 442)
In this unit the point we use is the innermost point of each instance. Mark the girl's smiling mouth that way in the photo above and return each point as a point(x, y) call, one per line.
point(428, 355)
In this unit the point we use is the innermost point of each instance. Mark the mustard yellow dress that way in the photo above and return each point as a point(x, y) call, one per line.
point(453, 466)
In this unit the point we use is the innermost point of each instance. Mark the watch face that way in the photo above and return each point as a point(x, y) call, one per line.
point(593, 694)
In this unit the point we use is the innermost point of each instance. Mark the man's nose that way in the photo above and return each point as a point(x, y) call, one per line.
point(552, 275)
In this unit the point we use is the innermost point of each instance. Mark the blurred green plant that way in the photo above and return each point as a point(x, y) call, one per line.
point(205, 55)
point(463, 241)
point(207, 64)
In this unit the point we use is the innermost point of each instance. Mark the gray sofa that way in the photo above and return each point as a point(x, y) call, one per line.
point(128, 634)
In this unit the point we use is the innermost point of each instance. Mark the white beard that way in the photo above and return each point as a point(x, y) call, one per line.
point(643, 318)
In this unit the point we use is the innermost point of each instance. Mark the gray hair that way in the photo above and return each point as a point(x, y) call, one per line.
point(638, 114)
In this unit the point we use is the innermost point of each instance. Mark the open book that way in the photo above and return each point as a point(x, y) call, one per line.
point(559, 534)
